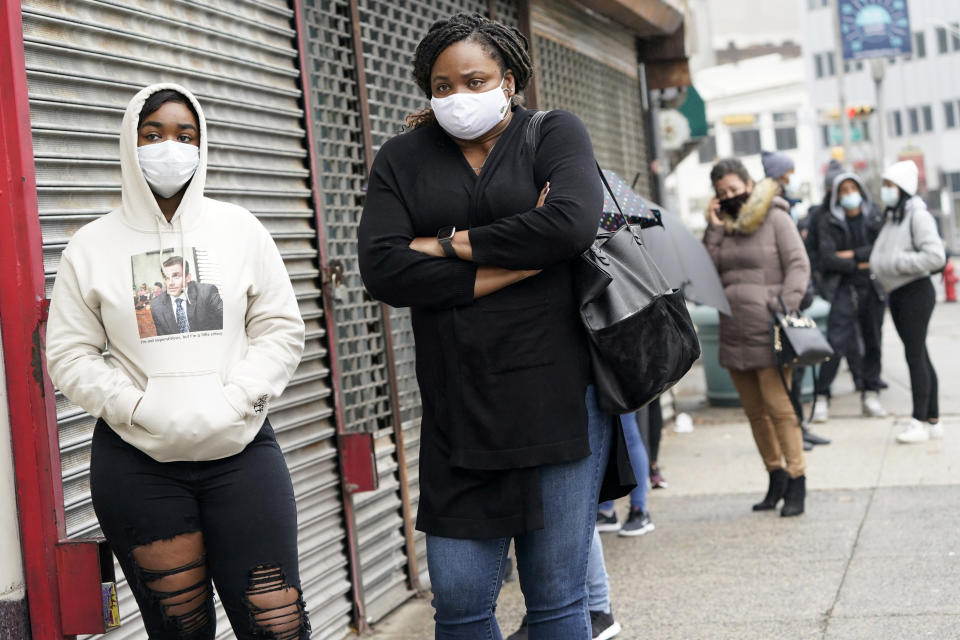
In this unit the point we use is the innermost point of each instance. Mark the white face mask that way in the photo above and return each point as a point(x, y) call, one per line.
point(850, 201)
point(468, 116)
point(168, 165)
point(890, 196)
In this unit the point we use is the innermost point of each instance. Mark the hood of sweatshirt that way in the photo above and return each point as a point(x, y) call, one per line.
point(140, 208)
point(836, 210)
point(178, 334)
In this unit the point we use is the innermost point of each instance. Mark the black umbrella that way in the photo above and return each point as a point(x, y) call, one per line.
point(679, 254)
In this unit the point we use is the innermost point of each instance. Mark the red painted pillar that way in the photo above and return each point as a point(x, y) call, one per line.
point(23, 316)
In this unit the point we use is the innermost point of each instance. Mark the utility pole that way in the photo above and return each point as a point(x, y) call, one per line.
point(878, 67)
point(841, 93)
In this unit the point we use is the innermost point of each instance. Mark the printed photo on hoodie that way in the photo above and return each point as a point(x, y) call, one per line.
point(176, 292)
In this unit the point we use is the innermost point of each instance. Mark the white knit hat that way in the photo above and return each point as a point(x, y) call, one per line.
point(905, 175)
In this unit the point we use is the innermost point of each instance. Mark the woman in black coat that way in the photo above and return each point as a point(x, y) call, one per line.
point(459, 226)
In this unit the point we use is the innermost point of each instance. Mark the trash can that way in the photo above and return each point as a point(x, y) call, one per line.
point(720, 389)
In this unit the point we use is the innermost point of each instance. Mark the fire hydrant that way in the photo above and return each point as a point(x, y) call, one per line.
point(950, 280)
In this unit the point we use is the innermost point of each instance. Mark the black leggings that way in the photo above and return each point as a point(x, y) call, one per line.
point(911, 307)
point(650, 422)
point(176, 526)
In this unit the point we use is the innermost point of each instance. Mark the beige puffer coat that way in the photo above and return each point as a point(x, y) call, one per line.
point(759, 255)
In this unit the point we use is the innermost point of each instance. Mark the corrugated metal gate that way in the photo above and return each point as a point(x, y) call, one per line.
point(596, 78)
point(85, 60)
point(390, 31)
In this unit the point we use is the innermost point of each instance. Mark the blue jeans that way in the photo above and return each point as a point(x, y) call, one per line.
point(466, 575)
point(639, 462)
point(598, 585)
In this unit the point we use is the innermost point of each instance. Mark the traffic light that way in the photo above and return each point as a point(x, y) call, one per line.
point(859, 111)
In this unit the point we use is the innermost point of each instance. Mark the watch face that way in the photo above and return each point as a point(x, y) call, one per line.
point(446, 233)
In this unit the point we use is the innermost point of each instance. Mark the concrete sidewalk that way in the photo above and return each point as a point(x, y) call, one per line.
point(877, 555)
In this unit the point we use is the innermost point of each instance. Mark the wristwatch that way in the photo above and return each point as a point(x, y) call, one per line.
point(445, 238)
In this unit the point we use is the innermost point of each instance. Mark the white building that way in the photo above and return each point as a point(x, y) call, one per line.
point(752, 105)
point(921, 94)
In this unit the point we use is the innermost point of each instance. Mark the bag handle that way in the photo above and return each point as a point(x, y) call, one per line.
point(783, 305)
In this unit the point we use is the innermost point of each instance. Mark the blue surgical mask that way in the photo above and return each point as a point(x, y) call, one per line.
point(851, 201)
point(890, 196)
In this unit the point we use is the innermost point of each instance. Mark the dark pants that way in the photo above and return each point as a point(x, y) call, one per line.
point(854, 327)
point(176, 526)
point(911, 307)
point(650, 420)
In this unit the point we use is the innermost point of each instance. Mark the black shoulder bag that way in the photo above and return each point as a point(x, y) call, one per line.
point(642, 340)
point(798, 342)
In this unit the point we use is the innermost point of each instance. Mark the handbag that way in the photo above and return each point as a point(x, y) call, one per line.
point(798, 341)
point(640, 335)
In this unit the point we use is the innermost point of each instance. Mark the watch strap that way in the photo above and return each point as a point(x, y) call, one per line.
point(446, 242)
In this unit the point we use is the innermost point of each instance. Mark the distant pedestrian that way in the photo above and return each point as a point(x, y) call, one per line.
point(780, 167)
point(654, 434)
point(846, 237)
point(638, 520)
point(760, 257)
point(809, 225)
point(809, 231)
point(908, 249)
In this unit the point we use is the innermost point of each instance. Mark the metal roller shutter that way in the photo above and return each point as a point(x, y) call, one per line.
point(85, 60)
point(589, 66)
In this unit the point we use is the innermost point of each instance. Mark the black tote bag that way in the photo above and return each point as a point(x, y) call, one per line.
point(641, 337)
point(642, 340)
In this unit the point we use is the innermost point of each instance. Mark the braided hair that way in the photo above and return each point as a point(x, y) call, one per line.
point(506, 45)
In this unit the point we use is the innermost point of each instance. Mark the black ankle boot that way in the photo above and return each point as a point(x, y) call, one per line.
point(778, 486)
point(793, 499)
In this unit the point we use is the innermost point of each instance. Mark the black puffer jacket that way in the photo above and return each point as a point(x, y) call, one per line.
point(833, 235)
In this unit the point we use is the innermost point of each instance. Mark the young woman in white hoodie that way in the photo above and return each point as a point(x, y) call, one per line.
point(907, 250)
point(187, 479)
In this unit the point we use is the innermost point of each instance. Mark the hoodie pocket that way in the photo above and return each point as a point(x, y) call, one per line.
point(189, 413)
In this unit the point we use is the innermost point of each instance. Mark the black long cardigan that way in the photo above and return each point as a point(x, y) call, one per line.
point(502, 378)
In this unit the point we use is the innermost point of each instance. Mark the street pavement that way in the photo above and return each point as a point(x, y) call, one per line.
point(876, 556)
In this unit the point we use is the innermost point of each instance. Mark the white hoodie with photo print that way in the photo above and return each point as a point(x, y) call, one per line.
point(203, 391)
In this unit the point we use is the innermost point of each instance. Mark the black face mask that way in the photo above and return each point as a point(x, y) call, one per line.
point(733, 204)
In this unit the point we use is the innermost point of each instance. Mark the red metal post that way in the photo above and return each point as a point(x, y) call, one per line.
point(345, 443)
point(23, 315)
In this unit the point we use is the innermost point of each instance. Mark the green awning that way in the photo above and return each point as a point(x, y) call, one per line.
point(695, 111)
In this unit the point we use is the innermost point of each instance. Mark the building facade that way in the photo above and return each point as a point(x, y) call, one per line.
point(757, 104)
point(920, 98)
point(299, 95)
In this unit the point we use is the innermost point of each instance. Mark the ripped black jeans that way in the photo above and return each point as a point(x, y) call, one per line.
point(177, 526)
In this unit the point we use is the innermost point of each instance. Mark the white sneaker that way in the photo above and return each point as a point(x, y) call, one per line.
point(871, 405)
point(821, 409)
point(935, 430)
point(916, 432)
